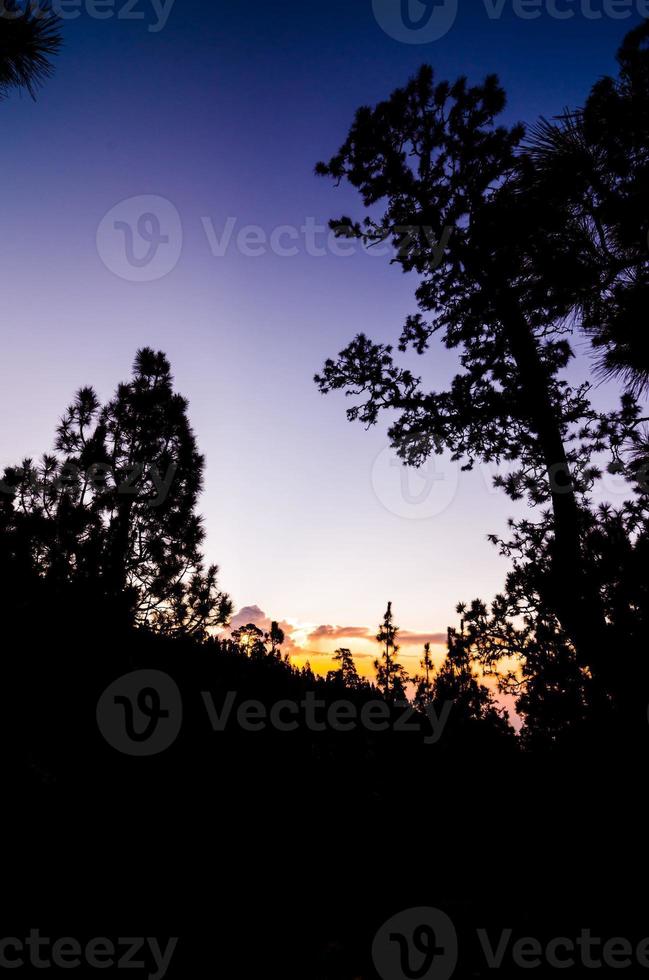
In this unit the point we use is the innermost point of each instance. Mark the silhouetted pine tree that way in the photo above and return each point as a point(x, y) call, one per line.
point(457, 682)
point(463, 203)
point(591, 165)
point(391, 678)
point(423, 683)
point(275, 638)
point(112, 514)
point(346, 675)
point(251, 640)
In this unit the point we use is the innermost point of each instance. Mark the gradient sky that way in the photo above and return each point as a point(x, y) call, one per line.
point(223, 113)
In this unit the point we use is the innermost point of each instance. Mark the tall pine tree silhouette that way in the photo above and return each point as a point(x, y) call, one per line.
point(457, 196)
point(112, 514)
point(390, 675)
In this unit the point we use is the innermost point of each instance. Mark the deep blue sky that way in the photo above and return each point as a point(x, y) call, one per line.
point(224, 113)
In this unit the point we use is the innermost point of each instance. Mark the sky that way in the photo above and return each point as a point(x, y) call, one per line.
point(160, 192)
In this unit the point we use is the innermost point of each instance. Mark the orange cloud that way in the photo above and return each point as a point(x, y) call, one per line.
point(340, 632)
point(437, 639)
point(406, 637)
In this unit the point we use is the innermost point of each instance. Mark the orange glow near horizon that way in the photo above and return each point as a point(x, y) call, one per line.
point(306, 642)
point(364, 651)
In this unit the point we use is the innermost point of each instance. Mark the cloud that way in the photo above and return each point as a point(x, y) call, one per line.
point(407, 638)
point(256, 616)
point(249, 614)
point(340, 632)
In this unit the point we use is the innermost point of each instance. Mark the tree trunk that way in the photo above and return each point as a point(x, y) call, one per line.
point(576, 600)
point(117, 551)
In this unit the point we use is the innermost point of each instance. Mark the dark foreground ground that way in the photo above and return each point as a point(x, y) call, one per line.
point(283, 854)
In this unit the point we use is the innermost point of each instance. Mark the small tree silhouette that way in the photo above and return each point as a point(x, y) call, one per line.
point(275, 638)
point(457, 683)
point(422, 682)
point(251, 639)
point(347, 675)
point(391, 678)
